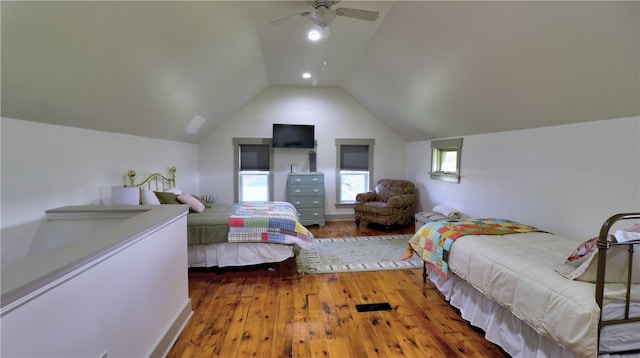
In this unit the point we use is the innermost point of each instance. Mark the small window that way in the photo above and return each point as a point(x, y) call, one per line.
point(445, 160)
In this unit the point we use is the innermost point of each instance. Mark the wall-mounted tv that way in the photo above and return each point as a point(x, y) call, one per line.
point(293, 136)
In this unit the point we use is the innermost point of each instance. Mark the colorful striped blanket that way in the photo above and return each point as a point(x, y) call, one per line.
point(275, 222)
point(433, 241)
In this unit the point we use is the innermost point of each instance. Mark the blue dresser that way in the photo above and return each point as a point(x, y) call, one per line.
point(306, 192)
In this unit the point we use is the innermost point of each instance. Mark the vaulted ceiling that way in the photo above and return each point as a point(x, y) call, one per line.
point(427, 69)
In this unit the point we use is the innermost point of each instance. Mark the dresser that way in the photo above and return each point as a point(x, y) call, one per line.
point(306, 192)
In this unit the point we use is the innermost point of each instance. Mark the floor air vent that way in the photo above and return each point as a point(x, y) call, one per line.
point(374, 307)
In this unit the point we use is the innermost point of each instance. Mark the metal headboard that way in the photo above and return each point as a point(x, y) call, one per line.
point(155, 181)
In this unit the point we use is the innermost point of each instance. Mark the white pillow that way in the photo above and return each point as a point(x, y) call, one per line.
point(149, 197)
point(624, 236)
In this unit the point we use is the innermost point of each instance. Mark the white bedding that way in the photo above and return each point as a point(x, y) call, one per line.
point(517, 272)
point(519, 339)
point(237, 254)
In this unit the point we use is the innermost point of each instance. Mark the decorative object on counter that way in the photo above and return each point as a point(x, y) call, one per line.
point(312, 161)
point(209, 198)
point(125, 195)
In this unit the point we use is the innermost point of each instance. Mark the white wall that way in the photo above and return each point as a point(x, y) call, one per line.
point(47, 166)
point(334, 113)
point(565, 179)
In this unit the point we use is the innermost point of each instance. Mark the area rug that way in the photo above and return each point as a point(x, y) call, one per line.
point(352, 254)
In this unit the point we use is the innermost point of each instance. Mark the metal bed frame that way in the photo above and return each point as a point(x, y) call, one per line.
point(603, 245)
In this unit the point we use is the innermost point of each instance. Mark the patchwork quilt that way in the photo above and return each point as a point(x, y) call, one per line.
point(274, 222)
point(433, 241)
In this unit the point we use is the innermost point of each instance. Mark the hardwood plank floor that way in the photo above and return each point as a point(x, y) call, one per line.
point(272, 311)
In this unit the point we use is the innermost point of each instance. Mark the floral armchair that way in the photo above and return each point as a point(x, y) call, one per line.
point(391, 203)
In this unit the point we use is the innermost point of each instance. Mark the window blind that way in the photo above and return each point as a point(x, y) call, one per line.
point(354, 157)
point(254, 157)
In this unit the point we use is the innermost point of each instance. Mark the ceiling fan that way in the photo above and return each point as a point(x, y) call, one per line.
point(322, 15)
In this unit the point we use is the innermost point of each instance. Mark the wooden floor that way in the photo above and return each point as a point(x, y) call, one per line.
point(272, 311)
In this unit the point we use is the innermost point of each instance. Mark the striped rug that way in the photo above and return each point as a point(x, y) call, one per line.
point(352, 254)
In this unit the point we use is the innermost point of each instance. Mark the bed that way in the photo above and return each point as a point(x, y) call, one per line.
point(223, 235)
point(536, 294)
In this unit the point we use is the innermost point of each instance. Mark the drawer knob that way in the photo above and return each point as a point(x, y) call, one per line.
point(315, 179)
point(316, 190)
point(316, 202)
point(297, 191)
point(298, 203)
point(298, 180)
point(315, 214)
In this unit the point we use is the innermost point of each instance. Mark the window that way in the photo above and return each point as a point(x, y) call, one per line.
point(253, 163)
point(445, 160)
point(355, 163)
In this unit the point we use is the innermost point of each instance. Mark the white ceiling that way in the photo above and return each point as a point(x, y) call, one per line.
point(428, 69)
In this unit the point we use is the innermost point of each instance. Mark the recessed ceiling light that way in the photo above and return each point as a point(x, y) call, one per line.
point(314, 35)
point(306, 75)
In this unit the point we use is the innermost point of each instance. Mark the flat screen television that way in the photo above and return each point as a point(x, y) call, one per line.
point(293, 136)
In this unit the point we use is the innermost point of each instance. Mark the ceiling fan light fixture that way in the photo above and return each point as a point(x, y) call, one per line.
point(322, 16)
point(306, 75)
point(314, 35)
point(319, 33)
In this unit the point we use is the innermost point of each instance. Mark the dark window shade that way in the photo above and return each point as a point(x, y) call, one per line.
point(354, 157)
point(254, 157)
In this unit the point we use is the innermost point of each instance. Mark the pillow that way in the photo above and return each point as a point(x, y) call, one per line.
point(583, 263)
point(174, 190)
point(624, 236)
point(149, 198)
point(167, 198)
point(194, 204)
point(582, 252)
point(206, 205)
point(634, 228)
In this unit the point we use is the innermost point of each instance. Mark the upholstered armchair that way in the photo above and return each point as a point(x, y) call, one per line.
point(391, 203)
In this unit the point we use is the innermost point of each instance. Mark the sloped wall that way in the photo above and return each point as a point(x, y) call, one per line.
point(48, 166)
point(565, 179)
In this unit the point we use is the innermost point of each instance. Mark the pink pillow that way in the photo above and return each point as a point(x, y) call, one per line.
point(581, 252)
point(194, 204)
point(634, 228)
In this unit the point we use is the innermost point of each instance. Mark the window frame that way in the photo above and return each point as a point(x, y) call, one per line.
point(438, 149)
point(237, 142)
point(339, 142)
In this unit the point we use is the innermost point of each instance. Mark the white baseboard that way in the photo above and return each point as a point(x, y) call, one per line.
point(340, 217)
point(171, 334)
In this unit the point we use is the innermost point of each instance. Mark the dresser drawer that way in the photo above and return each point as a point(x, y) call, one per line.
point(306, 190)
point(306, 215)
point(306, 179)
point(303, 202)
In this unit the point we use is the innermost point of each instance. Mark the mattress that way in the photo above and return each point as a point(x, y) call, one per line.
point(519, 339)
point(517, 272)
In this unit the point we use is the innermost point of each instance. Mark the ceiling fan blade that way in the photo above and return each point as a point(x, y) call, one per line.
point(276, 22)
point(357, 14)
